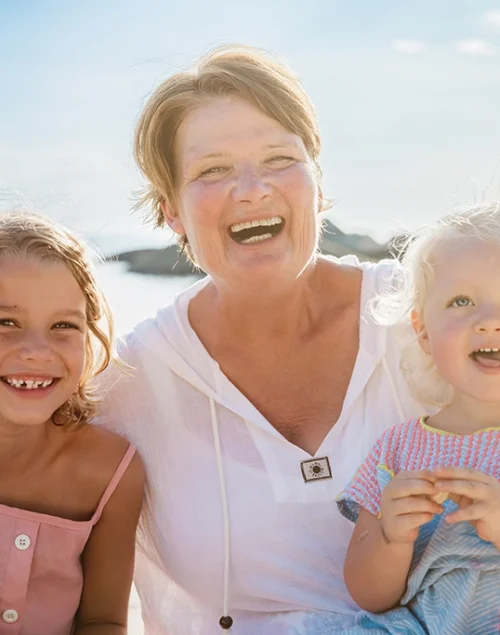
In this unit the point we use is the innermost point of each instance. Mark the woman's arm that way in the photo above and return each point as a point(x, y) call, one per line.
point(108, 559)
point(376, 572)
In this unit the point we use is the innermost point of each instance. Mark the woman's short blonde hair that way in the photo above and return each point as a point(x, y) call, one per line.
point(250, 74)
point(37, 238)
point(419, 255)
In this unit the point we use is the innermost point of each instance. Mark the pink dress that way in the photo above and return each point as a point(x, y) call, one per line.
point(41, 575)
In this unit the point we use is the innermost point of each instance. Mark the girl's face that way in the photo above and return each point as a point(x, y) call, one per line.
point(42, 339)
point(247, 193)
point(460, 324)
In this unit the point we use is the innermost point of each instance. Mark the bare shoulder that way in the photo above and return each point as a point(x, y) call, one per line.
point(101, 444)
point(96, 454)
point(345, 278)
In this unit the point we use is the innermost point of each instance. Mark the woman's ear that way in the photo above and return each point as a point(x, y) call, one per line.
point(173, 220)
point(418, 325)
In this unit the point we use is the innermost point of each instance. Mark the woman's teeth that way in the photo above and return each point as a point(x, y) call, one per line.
point(256, 239)
point(28, 384)
point(274, 220)
point(256, 230)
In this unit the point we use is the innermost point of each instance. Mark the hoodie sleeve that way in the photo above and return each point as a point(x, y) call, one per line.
point(117, 389)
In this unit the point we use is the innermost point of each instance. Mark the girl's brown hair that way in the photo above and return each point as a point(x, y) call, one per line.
point(38, 238)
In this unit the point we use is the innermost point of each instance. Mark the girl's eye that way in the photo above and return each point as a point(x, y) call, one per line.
point(62, 326)
point(461, 301)
point(7, 322)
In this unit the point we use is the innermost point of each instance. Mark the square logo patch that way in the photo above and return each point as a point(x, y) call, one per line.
point(315, 469)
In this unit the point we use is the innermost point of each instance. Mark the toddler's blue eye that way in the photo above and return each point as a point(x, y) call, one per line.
point(461, 301)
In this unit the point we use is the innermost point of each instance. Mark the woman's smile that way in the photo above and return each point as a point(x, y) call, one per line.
point(256, 231)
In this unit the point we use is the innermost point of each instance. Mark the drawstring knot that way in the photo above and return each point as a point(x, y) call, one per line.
point(225, 622)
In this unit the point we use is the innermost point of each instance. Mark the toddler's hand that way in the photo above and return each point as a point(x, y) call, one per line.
point(478, 497)
point(406, 505)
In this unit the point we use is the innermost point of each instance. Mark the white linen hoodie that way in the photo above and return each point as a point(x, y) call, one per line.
point(229, 525)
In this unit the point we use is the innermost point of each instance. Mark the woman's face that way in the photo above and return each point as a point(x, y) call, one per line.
point(247, 193)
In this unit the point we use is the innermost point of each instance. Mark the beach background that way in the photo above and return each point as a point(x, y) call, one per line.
point(406, 92)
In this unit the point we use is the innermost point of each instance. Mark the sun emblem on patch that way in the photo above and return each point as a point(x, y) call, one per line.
point(315, 469)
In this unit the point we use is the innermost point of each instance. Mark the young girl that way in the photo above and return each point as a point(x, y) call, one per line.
point(70, 493)
point(426, 501)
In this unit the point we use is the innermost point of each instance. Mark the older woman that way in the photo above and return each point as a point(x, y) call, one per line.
point(255, 396)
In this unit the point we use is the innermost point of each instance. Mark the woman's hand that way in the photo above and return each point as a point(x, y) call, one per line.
point(478, 497)
point(406, 505)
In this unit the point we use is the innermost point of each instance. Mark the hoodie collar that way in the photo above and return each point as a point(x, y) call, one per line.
point(170, 337)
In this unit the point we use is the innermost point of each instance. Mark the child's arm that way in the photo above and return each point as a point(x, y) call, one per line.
point(375, 572)
point(108, 559)
point(380, 552)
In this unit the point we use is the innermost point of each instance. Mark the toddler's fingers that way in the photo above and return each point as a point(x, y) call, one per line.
point(409, 522)
point(475, 490)
point(411, 487)
point(463, 474)
point(414, 505)
point(476, 511)
point(426, 475)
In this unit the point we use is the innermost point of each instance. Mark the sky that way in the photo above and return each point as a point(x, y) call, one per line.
point(407, 94)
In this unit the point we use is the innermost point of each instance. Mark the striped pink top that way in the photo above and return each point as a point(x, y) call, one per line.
point(414, 445)
point(41, 576)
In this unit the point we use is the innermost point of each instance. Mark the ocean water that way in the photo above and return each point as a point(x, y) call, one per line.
point(134, 297)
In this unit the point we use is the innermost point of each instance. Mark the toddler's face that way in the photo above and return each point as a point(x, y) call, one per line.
point(42, 339)
point(461, 318)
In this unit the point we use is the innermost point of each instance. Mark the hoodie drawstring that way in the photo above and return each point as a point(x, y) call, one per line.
point(226, 621)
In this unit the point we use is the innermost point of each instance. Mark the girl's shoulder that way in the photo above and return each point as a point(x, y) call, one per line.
point(96, 456)
point(100, 444)
point(401, 435)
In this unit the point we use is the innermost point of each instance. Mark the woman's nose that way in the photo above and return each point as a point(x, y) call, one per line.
point(250, 186)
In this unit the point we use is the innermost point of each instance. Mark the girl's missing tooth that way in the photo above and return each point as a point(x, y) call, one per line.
point(70, 493)
point(427, 499)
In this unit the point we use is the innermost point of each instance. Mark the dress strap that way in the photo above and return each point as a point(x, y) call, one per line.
point(113, 483)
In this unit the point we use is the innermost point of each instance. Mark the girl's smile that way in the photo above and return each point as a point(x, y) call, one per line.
point(42, 339)
point(487, 359)
point(460, 327)
point(29, 386)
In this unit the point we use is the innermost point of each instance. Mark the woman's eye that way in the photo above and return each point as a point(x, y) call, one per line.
point(282, 159)
point(213, 170)
point(461, 301)
point(7, 322)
